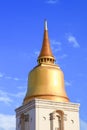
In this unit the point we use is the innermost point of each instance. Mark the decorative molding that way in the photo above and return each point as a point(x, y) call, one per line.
point(65, 117)
point(47, 104)
point(44, 118)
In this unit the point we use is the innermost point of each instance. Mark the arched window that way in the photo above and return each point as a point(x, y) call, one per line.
point(56, 120)
point(24, 121)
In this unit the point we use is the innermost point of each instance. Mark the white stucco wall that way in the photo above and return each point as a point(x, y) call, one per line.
point(39, 111)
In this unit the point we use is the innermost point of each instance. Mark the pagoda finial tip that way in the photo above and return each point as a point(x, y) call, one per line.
point(45, 25)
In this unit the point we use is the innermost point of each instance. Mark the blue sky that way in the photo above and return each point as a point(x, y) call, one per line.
point(21, 35)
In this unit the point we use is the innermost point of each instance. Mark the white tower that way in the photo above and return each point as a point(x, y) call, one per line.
point(46, 105)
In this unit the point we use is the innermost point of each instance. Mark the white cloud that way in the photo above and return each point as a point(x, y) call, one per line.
point(16, 79)
point(72, 40)
point(1, 75)
point(51, 1)
point(55, 50)
point(37, 53)
point(7, 122)
point(18, 95)
point(12, 78)
point(83, 125)
point(56, 46)
point(5, 98)
point(54, 42)
point(21, 87)
point(63, 56)
point(67, 83)
point(6, 76)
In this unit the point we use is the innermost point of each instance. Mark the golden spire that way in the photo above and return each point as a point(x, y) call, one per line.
point(46, 80)
point(46, 52)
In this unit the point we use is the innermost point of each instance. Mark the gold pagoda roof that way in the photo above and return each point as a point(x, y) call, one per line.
point(46, 80)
